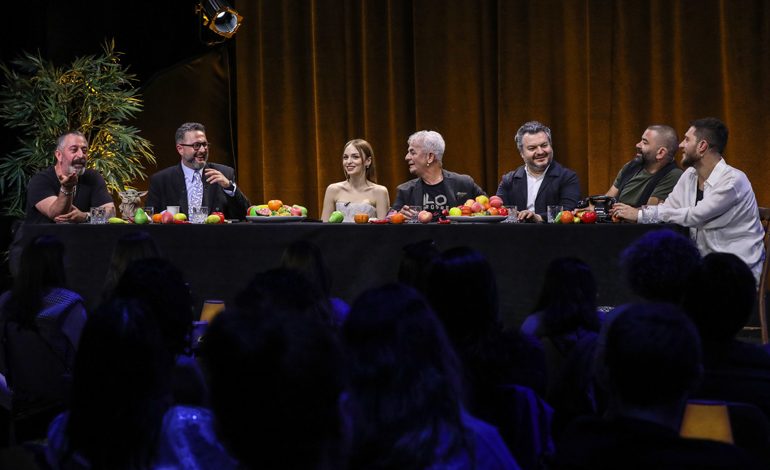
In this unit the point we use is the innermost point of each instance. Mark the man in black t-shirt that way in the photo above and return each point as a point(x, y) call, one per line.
point(66, 191)
point(434, 188)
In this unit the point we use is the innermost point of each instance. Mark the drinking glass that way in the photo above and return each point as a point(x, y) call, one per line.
point(98, 215)
point(416, 210)
point(198, 214)
point(513, 215)
point(553, 211)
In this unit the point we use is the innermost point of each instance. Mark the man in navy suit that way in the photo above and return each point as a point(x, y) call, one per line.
point(541, 181)
point(195, 182)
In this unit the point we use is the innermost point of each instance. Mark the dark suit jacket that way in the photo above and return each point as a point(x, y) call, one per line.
point(167, 188)
point(460, 187)
point(560, 186)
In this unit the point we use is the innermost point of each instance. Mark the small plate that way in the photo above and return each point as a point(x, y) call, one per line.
point(266, 219)
point(478, 219)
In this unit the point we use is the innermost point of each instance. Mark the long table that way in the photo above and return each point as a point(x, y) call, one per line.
point(218, 260)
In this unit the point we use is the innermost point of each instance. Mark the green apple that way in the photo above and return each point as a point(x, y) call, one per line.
point(336, 217)
point(213, 219)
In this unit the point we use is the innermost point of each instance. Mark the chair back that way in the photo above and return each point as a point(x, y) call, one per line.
point(707, 420)
point(764, 217)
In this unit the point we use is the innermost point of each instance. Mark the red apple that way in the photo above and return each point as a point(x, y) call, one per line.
point(588, 217)
point(496, 201)
point(477, 207)
point(425, 217)
point(167, 218)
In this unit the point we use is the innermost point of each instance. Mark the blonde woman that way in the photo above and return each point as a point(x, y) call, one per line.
point(358, 193)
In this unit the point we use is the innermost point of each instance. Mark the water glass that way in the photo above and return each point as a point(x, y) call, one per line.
point(173, 210)
point(553, 211)
point(150, 211)
point(513, 215)
point(198, 214)
point(415, 210)
point(98, 215)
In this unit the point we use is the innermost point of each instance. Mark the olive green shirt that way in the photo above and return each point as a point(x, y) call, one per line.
point(634, 187)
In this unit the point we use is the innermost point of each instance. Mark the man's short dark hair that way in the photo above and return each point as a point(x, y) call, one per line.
point(531, 127)
point(713, 131)
point(188, 127)
point(666, 137)
point(651, 354)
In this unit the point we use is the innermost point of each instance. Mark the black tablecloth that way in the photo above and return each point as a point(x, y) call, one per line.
point(218, 260)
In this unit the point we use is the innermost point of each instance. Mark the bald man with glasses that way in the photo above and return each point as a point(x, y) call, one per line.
point(196, 182)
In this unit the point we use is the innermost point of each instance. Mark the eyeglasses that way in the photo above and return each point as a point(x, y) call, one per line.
point(197, 145)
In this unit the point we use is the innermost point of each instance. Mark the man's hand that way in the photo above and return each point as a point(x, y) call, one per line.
point(215, 176)
point(408, 212)
point(529, 216)
point(624, 212)
point(68, 181)
point(75, 216)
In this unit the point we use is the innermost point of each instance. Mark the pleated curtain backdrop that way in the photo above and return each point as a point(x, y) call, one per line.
point(313, 74)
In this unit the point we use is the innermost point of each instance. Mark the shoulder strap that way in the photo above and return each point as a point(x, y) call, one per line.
point(628, 172)
point(645, 196)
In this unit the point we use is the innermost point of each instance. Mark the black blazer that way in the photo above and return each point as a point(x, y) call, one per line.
point(460, 188)
point(560, 186)
point(167, 188)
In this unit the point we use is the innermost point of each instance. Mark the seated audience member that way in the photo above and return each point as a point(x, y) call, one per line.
point(713, 199)
point(405, 392)
point(305, 257)
point(277, 383)
point(119, 416)
point(652, 174)
point(541, 181)
point(129, 247)
point(648, 359)
point(40, 326)
point(434, 188)
point(496, 364)
point(289, 290)
point(658, 265)
point(66, 191)
point(490, 354)
point(415, 260)
point(735, 370)
point(196, 182)
point(359, 193)
point(162, 288)
point(566, 322)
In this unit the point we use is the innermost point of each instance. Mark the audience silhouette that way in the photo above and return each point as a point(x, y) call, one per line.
point(649, 359)
point(277, 382)
point(128, 248)
point(40, 326)
point(405, 390)
point(120, 415)
point(658, 265)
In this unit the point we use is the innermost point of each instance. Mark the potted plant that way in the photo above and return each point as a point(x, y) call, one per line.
point(93, 95)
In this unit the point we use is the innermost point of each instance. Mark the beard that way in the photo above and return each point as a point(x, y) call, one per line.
point(78, 165)
point(193, 162)
point(689, 160)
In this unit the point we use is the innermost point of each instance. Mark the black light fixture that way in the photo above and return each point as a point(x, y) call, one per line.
point(219, 17)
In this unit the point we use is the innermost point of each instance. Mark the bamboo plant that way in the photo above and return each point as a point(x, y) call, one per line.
point(94, 95)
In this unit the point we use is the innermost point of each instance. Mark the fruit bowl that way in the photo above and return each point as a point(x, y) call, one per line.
point(261, 219)
point(476, 219)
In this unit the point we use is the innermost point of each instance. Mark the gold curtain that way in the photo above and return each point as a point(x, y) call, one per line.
point(313, 74)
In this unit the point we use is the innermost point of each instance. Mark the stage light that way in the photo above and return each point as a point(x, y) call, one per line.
point(219, 17)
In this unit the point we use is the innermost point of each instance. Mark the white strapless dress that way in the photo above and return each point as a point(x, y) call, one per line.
point(350, 209)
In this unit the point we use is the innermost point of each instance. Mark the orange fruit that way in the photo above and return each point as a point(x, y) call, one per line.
point(156, 218)
point(397, 218)
point(567, 217)
point(274, 204)
point(361, 218)
point(492, 211)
